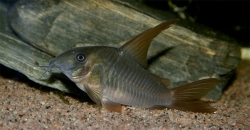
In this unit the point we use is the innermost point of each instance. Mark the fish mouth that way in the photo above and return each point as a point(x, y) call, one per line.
point(80, 74)
point(77, 79)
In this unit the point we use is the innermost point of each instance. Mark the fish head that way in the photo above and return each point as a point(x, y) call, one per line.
point(77, 62)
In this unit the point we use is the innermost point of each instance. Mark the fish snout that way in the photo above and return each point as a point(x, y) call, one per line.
point(48, 68)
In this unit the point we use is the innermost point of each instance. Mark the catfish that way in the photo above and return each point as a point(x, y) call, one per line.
point(113, 77)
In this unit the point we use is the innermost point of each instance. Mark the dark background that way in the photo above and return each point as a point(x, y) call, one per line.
point(231, 16)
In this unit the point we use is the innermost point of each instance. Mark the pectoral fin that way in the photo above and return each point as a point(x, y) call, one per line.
point(110, 105)
point(95, 93)
point(137, 48)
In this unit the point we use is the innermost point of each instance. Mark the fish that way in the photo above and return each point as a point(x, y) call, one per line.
point(116, 77)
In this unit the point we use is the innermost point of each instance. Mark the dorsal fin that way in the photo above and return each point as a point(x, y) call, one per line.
point(137, 48)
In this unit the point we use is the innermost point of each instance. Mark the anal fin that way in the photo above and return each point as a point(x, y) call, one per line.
point(111, 106)
point(157, 107)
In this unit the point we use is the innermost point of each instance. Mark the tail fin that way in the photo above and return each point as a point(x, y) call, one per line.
point(187, 97)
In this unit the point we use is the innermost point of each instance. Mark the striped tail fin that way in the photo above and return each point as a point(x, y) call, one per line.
point(187, 97)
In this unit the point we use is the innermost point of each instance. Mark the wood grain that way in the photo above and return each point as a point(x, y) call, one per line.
point(46, 28)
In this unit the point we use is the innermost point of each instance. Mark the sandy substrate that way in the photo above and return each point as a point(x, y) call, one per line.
point(25, 105)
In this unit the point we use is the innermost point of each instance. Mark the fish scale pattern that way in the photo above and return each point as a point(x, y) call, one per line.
point(128, 83)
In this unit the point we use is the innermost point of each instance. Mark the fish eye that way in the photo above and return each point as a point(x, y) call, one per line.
point(80, 57)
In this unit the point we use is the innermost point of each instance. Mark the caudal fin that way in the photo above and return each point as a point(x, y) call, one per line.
point(187, 97)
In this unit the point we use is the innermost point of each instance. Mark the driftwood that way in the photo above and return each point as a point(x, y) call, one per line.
point(45, 28)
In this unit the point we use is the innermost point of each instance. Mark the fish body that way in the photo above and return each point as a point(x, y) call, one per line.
point(113, 77)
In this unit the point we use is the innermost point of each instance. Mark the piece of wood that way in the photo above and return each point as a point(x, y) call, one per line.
point(20, 56)
point(55, 26)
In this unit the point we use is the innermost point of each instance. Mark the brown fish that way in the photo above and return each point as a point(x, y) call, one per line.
point(113, 77)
